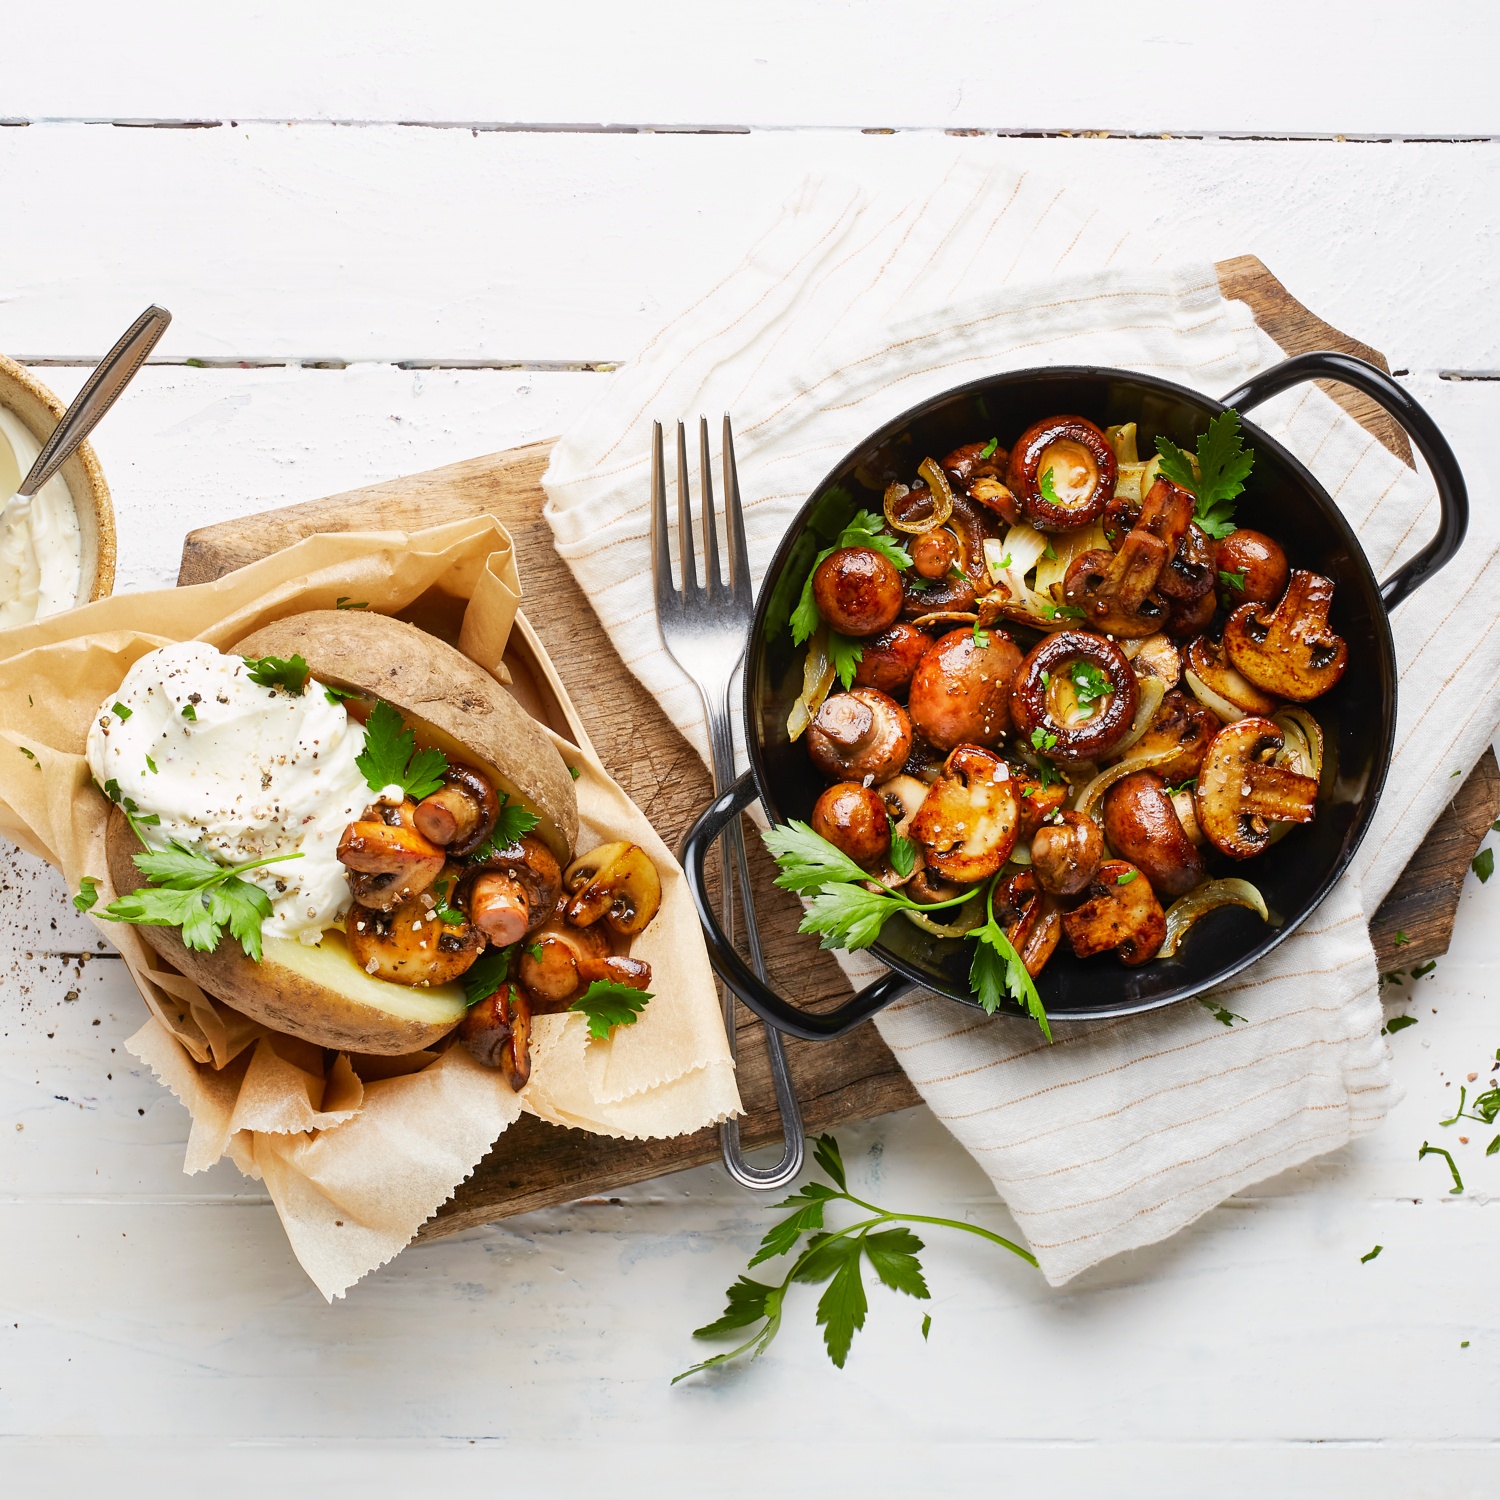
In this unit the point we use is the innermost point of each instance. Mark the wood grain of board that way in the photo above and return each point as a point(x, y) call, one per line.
point(537, 1165)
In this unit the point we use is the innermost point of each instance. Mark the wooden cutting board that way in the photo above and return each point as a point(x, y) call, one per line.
point(536, 1165)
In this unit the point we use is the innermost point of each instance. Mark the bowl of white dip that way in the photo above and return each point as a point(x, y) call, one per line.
point(72, 520)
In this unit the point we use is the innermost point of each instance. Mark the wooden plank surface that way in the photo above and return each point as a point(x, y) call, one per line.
point(536, 1165)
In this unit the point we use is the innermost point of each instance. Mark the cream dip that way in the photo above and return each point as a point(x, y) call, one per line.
point(41, 552)
point(250, 772)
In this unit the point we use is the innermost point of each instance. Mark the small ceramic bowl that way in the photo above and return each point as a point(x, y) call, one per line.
point(40, 410)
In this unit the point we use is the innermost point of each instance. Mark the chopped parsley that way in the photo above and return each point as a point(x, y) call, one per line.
point(1041, 740)
point(345, 602)
point(512, 824)
point(88, 893)
point(1398, 1023)
point(1089, 682)
point(988, 451)
point(290, 673)
point(189, 712)
point(1234, 580)
point(486, 974)
point(1127, 877)
point(982, 639)
point(1484, 864)
point(1458, 1182)
point(1367, 1258)
point(1063, 611)
point(120, 712)
point(1048, 492)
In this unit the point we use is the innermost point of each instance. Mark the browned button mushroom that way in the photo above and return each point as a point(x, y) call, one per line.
point(1189, 617)
point(857, 590)
point(1066, 852)
point(1121, 512)
point(934, 553)
point(1141, 824)
point(1185, 726)
point(1257, 562)
point(852, 817)
point(561, 961)
point(497, 1033)
point(617, 882)
point(1030, 918)
point(1191, 573)
point(1206, 662)
point(1122, 913)
point(967, 824)
point(512, 891)
point(1289, 650)
point(981, 477)
point(1120, 591)
point(412, 944)
point(1037, 801)
point(388, 860)
point(1061, 472)
point(864, 733)
point(1240, 793)
point(1075, 696)
point(461, 813)
point(960, 692)
point(888, 659)
point(971, 525)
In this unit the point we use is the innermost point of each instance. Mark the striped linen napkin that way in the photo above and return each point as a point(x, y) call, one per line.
point(852, 307)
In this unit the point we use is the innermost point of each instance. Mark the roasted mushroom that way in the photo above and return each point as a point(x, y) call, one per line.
point(967, 824)
point(1192, 571)
point(1189, 617)
point(1039, 800)
point(934, 553)
point(614, 881)
point(888, 660)
point(960, 692)
point(978, 469)
point(461, 813)
point(1074, 696)
point(413, 944)
point(857, 590)
point(561, 961)
point(1240, 793)
point(1141, 824)
point(1216, 684)
point(497, 1033)
point(1030, 918)
point(1121, 913)
point(1155, 656)
point(1061, 471)
point(512, 891)
point(1289, 650)
point(859, 734)
point(1253, 568)
point(388, 860)
point(1185, 726)
point(1066, 852)
point(852, 817)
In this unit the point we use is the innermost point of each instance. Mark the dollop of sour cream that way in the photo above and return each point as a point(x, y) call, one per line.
point(252, 772)
point(41, 550)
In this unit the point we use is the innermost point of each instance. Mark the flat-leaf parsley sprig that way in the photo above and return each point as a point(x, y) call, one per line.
point(1224, 464)
point(391, 758)
point(831, 1259)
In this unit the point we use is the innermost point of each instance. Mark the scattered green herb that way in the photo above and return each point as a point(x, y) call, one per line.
point(445, 913)
point(1127, 877)
point(903, 855)
point(988, 451)
point(1224, 463)
point(487, 973)
point(1458, 1182)
point(573, 772)
point(1063, 612)
point(1365, 1259)
point(1049, 552)
point(1222, 1015)
point(1400, 939)
point(1422, 969)
point(337, 695)
point(391, 758)
point(1048, 491)
point(345, 602)
point(1046, 678)
point(1484, 864)
point(88, 893)
point(607, 1005)
point(189, 712)
point(534, 952)
point(981, 637)
point(1234, 580)
point(151, 766)
point(29, 754)
point(512, 824)
point(865, 530)
point(290, 673)
point(120, 712)
point(1089, 683)
point(997, 969)
point(1041, 740)
point(831, 1257)
point(1398, 1023)
point(1186, 786)
point(1486, 1107)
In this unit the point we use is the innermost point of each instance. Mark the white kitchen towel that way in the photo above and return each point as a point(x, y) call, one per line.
point(855, 306)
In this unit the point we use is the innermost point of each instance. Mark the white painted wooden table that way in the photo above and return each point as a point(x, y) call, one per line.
point(396, 236)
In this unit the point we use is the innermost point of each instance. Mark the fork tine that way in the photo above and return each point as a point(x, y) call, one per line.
point(685, 520)
point(661, 552)
point(710, 531)
point(734, 521)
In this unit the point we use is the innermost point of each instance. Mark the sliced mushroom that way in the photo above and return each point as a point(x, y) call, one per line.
point(1192, 571)
point(852, 817)
point(1240, 794)
point(411, 944)
point(388, 860)
point(1030, 917)
point(561, 961)
point(617, 882)
point(1216, 684)
point(961, 690)
point(1289, 650)
point(1079, 468)
point(1121, 913)
point(1257, 562)
point(1051, 707)
point(1066, 852)
point(1184, 725)
point(968, 823)
point(1141, 824)
point(888, 660)
point(461, 813)
point(857, 590)
point(512, 891)
point(1038, 800)
point(859, 734)
point(1155, 656)
point(497, 1033)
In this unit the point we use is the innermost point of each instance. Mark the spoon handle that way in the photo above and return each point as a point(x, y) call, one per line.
point(100, 392)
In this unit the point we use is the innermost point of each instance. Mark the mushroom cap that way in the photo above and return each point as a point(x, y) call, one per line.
point(860, 733)
point(1260, 563)
point(961, 690)
point(857, 590)
point(888, 660)
point(852, 817)
point(1186, 725)
point(1142, 826)
point(1045, 677)
point(1083, 467)
point(1066, 852)
point(1240, 793)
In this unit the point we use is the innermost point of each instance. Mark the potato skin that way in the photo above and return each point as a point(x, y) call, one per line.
point(282, 998)
point(434, 685)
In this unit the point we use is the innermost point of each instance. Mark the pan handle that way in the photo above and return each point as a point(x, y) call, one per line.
point(1393, 399)
point(810, 1026)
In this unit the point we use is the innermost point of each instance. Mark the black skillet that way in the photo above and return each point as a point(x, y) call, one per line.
point(1282, 498)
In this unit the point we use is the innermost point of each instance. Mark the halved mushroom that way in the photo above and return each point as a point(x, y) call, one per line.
point(960, 692)
point(561, 961)
point(512, 891)
point(1039, 800)
point(1030, 917)
point(1217, 685)
point(1066, 852)
point(852, 817)
point(979, 474)
point(1289, 650)
point(1155, 656)
point(1240, 793)
point(1256, 562)
point(1061, 471)
point(1184, 725)
point(461, 813)
point(388, 859)
point(859, 734)
point(967, 825)
point(411, 944)
point(1142, 825)
point(888, 660)
point(617, 882)
point(857, 590)
point(497, 1033)
point(1075, 696)
point(1121, 913)
point(1192, 571)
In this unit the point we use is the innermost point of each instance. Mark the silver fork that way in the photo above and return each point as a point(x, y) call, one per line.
point(704, 629)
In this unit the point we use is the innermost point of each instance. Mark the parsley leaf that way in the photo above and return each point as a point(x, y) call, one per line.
point(607, 1005)
point(997, 969)
point(512, 824)
point(1235, 580)
point(1063, 611)
point(842, 1307)
point(290, 673)
point(1484, 864)
point(865, 530)
point(88, 893)
point(1089, 682)
point(988, 451)
point(893, 1257)
point(981, 637)
point(1219, 1013)
point(345, 602)
point(487, 973)
point(903, 855)
point(1224, 464)
point(1366, 1259)
point(120, 712)
point(1047, 490)
point(782, 1236)
point(845, 653)
point(1399, 1023)
point(189, 712)
point(1458, 1182)
point(1127, 877)
point(391, 757)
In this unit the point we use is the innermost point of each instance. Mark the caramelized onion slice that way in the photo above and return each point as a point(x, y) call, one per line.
point(1302, 752)
point(1181, 914)
point(1151, 691)
point(1139, 760)
point(942, 496)
point(970, 916)
point(817, 682)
